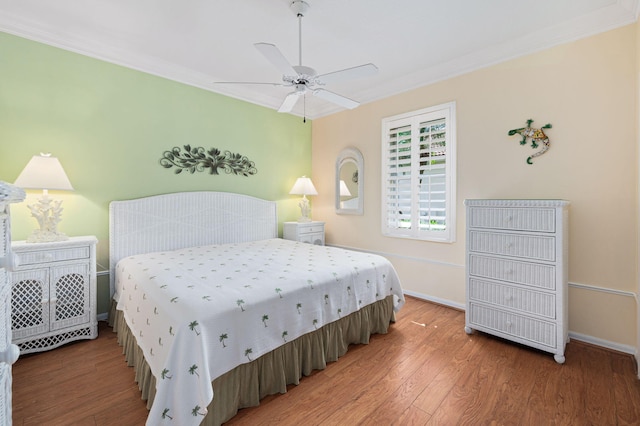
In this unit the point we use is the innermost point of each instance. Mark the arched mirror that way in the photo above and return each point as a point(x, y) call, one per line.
point(349, 182)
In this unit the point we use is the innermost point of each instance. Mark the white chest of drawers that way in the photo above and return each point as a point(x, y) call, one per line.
point(517, 257)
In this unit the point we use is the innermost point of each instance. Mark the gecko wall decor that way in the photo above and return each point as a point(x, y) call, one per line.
point(196, 159)
point(537, 137)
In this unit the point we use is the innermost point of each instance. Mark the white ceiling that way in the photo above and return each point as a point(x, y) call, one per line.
point(412, 42)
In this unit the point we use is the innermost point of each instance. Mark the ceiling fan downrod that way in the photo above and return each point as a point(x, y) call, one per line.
point(299, 7)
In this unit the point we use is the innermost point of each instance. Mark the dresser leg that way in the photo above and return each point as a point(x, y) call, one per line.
point(468, 329)
point(559, 359)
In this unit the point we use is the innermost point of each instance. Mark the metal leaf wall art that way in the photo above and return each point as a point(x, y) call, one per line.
point(197, 159)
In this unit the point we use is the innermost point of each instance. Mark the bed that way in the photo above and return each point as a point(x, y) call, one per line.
point(215, 312)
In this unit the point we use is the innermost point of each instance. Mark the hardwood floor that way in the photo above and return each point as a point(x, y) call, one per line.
point(426, 370)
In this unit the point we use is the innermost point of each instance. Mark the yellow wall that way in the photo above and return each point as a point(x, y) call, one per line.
point(587, 91)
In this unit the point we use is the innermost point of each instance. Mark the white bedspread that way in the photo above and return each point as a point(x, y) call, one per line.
point(200, 312)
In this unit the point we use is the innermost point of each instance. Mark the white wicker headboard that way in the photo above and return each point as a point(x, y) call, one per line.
point(186, 219)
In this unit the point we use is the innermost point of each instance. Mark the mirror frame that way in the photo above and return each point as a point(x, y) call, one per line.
point(352, 155)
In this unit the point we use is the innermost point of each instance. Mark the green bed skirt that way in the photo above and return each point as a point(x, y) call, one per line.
point(247, 384)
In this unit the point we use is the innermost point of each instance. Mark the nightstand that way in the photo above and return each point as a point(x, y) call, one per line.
point(305, 232)
point(53, 293)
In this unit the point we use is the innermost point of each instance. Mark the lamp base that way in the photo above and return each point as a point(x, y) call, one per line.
point(304, 210)
point(48, 214)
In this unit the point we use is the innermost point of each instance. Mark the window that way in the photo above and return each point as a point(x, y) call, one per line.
point(418, 174)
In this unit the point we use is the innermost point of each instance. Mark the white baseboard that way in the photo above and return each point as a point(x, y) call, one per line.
point(433, 299)
point(603, 343)
point(572, 335)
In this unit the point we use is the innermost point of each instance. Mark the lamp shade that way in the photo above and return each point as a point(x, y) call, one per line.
point(344, 191)
point(303, 186)
point(43, 172)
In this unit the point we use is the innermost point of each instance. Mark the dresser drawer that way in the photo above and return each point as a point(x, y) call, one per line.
point(527, 301)
point(58, 255)
point(517, 326)
point(532, 247)
point(311, 229)
point(517, 219)
point(525, 273)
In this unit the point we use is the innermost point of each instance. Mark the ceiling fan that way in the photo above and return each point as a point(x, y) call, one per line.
point(304, 79)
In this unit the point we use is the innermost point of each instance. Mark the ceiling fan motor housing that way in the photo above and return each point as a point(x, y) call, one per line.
point(299, 7)
point(306, 76)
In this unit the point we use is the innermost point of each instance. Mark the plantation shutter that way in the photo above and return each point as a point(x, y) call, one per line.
point(418, 171)
point(399, 197)
point(432, 169)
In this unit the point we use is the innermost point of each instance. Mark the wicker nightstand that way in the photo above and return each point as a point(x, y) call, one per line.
point(53, 293)
point(305, 232)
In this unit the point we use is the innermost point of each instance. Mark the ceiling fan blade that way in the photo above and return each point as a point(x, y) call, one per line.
point(273, 55)
point(253, 82)
point(336, 99)
point(348, 74)
point(289, 102)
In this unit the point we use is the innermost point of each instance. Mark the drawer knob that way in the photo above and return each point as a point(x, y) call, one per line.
point(508, 324)
point(509, 298)
point(10, 355)
point(10, 262)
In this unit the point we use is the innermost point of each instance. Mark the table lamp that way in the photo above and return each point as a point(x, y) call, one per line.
point(304, 187)
point(45, 172)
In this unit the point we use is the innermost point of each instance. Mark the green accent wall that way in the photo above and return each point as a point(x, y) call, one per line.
point(109, 126)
